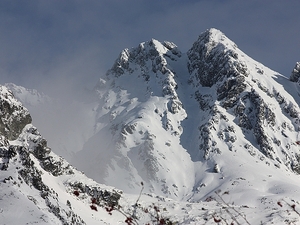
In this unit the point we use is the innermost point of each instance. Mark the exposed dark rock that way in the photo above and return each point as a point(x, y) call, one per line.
point(129, 128)
point(211, 61)
point(13, 116)
point(263, 113)
point(230, 90)
point(97, 194)
point(295, 73)
point(174, 106)
point(204, 101)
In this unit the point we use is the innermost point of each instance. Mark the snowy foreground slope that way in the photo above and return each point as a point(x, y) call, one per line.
point(211, 134)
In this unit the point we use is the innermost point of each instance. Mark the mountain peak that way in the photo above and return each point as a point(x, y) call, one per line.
point(152, 50)
point(213, 57)
point(155, 45)
point(214, 37)
point(212, 34)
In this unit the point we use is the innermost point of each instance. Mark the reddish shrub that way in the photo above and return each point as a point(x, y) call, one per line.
point(93, 207)
point(129, 220)
point(217, 220)
point(76, 193)
point(162, 222)
point(109, 209)
point(94, 201)
point(156, 209)
point(209, 199)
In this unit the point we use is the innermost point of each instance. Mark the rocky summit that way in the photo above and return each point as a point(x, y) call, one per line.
point(199, 137)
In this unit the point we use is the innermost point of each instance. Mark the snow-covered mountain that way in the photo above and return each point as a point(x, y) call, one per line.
point(211, 131)
point(159, 107)
point(138, 126)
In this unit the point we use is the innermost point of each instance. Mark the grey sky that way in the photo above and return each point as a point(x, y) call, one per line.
point(61, 45)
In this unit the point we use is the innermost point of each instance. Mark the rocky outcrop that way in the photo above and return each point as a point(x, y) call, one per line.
point(13, 115)
point(295, 73)
point(212, 60)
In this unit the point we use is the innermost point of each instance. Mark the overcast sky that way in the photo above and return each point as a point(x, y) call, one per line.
point(61, 45)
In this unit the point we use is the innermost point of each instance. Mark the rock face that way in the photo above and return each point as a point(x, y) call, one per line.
point(295, 73)
point(211, 60)
point(13, 115)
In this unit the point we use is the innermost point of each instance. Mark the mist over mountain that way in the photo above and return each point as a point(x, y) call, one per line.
point(187, 125)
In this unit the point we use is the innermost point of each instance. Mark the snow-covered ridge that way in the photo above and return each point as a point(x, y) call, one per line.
point(146, 50)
